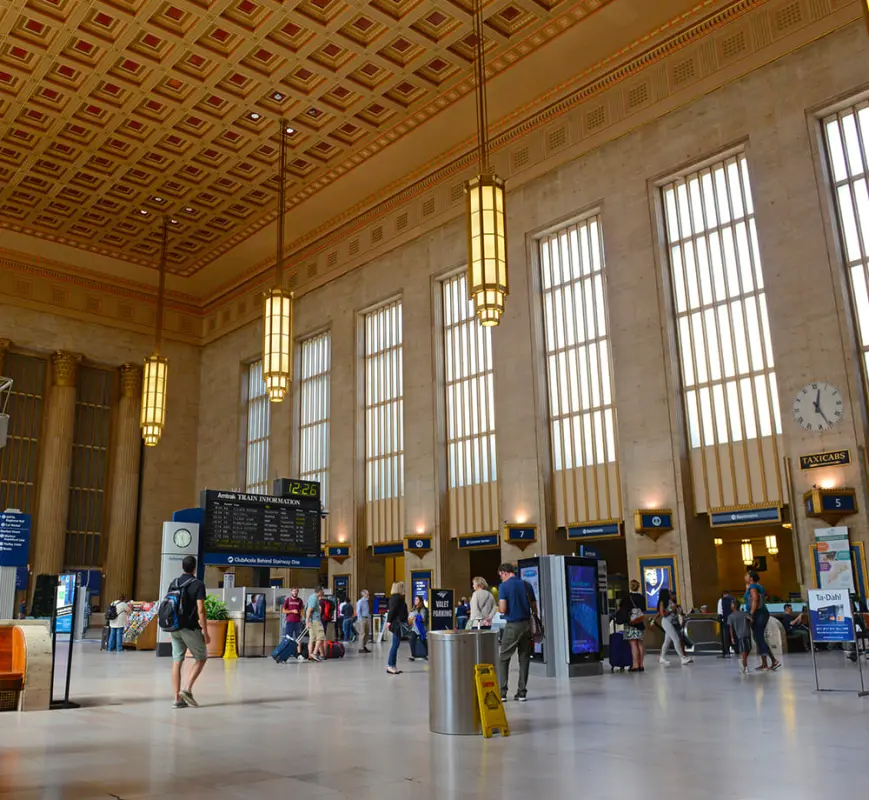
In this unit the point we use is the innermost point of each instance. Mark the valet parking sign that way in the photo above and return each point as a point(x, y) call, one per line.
point(831, 616)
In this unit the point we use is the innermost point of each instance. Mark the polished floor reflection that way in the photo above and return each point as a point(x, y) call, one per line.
point(345, 729)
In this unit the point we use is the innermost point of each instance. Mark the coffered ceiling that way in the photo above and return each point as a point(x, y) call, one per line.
point(116, 112)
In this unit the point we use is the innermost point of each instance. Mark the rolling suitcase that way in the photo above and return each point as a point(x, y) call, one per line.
point(288, 648)
point(418, 647)
point(620, 652)
point(334, 650)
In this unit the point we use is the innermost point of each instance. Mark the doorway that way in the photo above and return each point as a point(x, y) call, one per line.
point(393, 571)
point(484, 564)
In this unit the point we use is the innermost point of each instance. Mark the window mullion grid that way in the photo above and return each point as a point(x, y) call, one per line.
point(734, 343)
point(585, 285)
point(692, 344)
point(692, 221)
point(564, 383)
point(765, 346)
point(850, 181)
point(717, 304)
point(743, 299)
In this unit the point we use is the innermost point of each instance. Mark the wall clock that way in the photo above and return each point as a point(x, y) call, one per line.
point(818, 407)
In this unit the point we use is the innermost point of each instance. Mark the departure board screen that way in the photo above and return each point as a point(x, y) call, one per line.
point(235, 522)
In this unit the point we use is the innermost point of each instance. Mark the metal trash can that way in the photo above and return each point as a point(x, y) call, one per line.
point(453, 707)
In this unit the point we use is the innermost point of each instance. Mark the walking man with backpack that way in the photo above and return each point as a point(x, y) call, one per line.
point(182, 615)
point(116, 619)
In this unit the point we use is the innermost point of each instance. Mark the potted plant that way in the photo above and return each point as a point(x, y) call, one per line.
point(218, 621)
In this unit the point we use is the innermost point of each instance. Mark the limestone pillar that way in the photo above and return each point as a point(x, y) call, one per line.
point(123, 512)
point(55, 461)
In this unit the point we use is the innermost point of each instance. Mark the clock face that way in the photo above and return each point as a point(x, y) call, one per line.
point(818, 407)
point(182, 538)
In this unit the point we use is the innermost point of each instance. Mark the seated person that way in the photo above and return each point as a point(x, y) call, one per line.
point(794, 625)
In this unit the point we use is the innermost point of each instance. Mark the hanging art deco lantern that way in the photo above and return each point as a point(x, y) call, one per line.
point(772, 545)
point(278, 307)
point(156, 371)
point(488, 283)
point(747, 553)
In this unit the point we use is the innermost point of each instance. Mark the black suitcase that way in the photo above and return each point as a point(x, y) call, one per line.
point(104, 645)
point(334, 650)
point(620, 652)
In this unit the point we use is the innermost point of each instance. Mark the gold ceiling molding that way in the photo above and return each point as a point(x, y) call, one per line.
point(120, 111)
point(772, 20)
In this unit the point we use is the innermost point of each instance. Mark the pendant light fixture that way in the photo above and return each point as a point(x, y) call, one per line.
point(772, 545)
point(487, 237)
point(278, 316)
point(156, 370)
point(747, 553)
point(718, 542)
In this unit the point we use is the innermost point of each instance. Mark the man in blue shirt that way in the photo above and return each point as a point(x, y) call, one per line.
point(515, 602)
point(363, 620)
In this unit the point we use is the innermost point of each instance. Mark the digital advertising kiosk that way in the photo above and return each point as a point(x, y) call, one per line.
point(568, 597)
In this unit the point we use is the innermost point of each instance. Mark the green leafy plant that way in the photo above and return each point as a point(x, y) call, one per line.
point(215, 609)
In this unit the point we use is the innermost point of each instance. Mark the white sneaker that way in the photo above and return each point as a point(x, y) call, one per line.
point(687, 660)
point(663, 662)
point(745, 670)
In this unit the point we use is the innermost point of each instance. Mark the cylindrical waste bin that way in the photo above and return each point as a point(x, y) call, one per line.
point(453, 707)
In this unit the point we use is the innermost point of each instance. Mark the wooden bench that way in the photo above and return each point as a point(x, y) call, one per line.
point(13, 662)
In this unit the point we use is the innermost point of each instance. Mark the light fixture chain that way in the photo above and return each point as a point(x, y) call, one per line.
point(161, 290)
point(282, 167)
point(482, 105)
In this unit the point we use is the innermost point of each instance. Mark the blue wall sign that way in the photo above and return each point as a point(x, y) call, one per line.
point(588, 552)
point(338, 550)
point(595, 530)
point(653, 520)
point(833, 502)
point(277, 562)
point(481, 541)
point(744, 516)
point(14, 539)
point(91, 580)
point(388, 549)
point(417, 544)
point(520, 533)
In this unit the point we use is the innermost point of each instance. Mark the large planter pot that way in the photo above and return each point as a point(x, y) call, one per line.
point(217, 632)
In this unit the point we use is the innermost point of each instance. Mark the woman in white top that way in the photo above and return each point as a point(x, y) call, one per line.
point(482, 605)
point(117, 623)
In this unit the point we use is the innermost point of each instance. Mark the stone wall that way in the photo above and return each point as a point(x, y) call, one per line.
point(769, 113)
point(168, 470)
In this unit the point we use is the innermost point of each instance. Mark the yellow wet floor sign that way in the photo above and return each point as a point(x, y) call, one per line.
point(230, 650)
point(492, 713)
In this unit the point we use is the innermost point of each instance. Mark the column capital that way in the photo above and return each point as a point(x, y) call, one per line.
point(65, 367)
point(131, 380)
point(5, 344)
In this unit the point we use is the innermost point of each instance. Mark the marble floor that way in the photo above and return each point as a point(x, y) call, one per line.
point(344, 729)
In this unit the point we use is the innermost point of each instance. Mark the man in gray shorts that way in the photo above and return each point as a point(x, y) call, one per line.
point(192, 634)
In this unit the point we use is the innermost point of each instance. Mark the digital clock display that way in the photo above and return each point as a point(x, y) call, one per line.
point(292, 487)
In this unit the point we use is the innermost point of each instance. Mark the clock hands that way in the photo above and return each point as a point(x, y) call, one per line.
point(817, 405)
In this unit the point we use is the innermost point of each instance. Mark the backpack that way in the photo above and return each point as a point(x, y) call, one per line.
point(111, 613)
point(326, 611)
point(170, 612)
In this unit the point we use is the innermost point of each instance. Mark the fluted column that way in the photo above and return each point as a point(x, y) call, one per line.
point(126, 451)
point(55, 460)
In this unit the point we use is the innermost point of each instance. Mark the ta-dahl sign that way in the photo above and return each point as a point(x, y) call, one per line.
point(832, 458)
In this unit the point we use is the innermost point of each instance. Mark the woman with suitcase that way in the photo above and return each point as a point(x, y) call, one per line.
point(418, 621)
